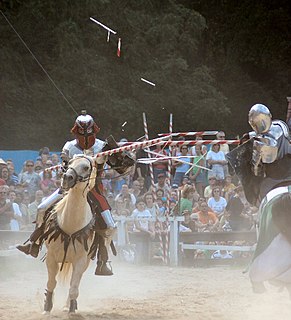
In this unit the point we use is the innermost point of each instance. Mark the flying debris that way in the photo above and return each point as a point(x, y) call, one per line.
point(105, 27)
point(148, 82)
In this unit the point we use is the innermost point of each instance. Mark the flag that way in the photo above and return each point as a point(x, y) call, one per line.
point(119, 47)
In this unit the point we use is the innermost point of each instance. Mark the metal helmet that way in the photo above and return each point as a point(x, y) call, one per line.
point(85, 130)
point(260, 118)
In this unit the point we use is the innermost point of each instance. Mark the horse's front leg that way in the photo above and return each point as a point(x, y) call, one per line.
point(79, 267)
point(52, 270)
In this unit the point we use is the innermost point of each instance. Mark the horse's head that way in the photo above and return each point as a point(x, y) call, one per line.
point(81, 169)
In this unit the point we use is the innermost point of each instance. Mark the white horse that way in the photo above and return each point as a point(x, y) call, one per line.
point(272, 258)
point(70, 230)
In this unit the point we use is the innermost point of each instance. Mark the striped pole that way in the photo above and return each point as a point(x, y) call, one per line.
point(166, 249)
point(146, 134)
point(189, 134)
point(157, 223)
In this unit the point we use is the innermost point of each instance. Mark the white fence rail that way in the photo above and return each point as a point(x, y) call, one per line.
point(182, 240)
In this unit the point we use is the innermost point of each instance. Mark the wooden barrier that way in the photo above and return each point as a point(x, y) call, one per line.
point(178, 241)
point(196, 241)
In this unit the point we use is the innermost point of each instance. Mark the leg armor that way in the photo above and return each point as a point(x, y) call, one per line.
point(33, 246)
point(105, 229)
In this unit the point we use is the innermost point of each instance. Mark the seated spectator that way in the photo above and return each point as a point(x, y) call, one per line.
point(174, 197)
point(46, 182)
point(228, 188)
point(6, 209)
point(162, 206)
point(188, 198)
point(38, 168)
point(117, 182)
point(197, 205)
point(236, 209)
point(55, 159)
point(182, 165)
point(142, 186)
point(145, 227)
point(216, 161)
point(189, 222)
point(141, 212)
point(136, 189)
point(23, 203)
point(119, 208)
point(2, 164)
point(161, 165)
point(16, 222)
point(224, 148)
point(48, 165)
point(162, 184)
point(176, 149)
point(29, 179)
point(160, 193)
point(198, 176)
point(4, 175)
point(44, 154)
point(212, 183)
point(185, 181)
point(142, 170)
point(150, 204)
point(217, 203)
point(32, 207)
point(204, 148)
point(126, 194)
point(207, 220)
point(13, 176)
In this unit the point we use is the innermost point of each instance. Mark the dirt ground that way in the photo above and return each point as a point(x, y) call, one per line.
point(141, 292)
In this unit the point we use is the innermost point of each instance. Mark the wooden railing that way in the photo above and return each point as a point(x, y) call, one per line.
point(178, 241)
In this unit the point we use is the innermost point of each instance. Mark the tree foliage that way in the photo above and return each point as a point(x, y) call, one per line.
point(210, 61)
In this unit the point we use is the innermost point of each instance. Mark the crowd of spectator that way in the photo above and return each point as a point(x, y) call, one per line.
point(22, 192)
point(200, 189)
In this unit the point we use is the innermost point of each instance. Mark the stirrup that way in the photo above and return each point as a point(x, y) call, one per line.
point(102, 269)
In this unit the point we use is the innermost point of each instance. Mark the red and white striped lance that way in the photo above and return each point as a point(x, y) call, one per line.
point(58, 167)
point(187, 134)
point(133, 146)
point(194, 142)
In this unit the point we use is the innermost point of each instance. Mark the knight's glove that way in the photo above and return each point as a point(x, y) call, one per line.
point(120, 161)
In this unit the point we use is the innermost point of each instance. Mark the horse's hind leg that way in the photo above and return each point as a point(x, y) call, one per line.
point(52, 269)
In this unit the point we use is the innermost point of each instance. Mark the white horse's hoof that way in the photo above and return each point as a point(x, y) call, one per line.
point(65, 309)
point(46, 313)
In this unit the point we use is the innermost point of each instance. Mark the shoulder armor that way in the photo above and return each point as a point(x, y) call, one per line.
point(279, 128)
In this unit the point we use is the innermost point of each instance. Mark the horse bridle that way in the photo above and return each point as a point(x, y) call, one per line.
point(79, 178)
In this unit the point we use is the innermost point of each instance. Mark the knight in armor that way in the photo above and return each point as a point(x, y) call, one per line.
point(85, 130)
point(263, 164)
point(270, 154)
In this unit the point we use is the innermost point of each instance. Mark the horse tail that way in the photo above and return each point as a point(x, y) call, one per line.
point(64, 276)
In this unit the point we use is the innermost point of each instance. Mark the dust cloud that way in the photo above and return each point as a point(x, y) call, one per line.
point(141, 292)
